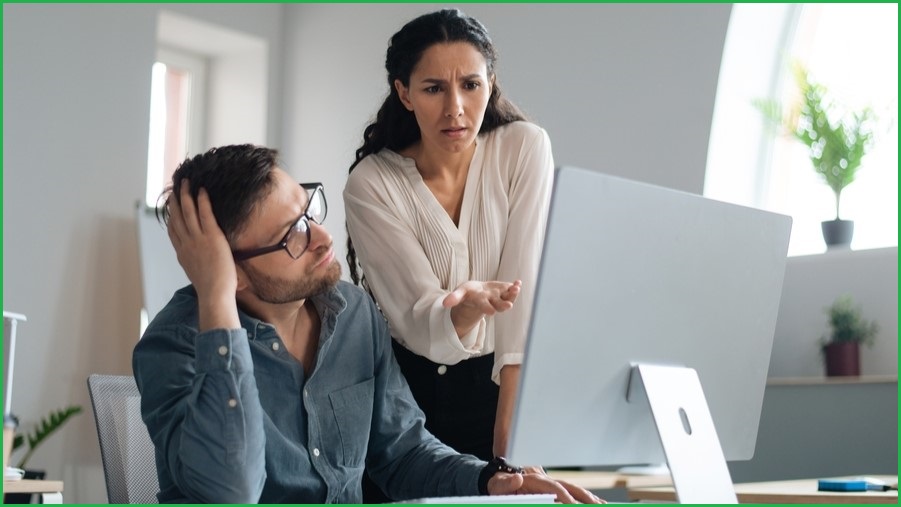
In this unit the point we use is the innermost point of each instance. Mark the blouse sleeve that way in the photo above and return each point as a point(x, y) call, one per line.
point(400, 275)
point(529, 197)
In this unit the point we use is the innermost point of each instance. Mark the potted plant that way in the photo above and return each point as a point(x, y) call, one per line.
point(837, 140)
point(41, 432)
point(841, 348)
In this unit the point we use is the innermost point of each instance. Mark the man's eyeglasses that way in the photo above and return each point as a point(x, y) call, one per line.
point(297, 239)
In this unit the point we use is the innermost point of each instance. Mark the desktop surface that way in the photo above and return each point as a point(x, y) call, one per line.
point(782, 492)
point(32, 486)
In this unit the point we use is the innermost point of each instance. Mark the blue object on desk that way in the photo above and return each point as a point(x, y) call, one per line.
point(841, 485)
point(850, 485)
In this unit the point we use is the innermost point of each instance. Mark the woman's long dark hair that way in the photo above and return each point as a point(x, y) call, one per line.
point(395, 127)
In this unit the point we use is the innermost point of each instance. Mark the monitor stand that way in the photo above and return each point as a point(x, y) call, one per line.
point(692, 449)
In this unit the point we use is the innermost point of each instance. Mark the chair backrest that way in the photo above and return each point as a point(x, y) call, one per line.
point(129, 464)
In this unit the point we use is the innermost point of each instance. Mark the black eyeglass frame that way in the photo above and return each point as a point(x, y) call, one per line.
point(311, 188)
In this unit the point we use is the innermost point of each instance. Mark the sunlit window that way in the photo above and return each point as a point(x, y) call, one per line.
point(175, 118)
point(853, 50)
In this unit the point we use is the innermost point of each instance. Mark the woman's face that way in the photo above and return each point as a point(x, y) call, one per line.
point(448, 94)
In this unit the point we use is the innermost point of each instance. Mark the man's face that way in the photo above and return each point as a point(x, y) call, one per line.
point(276, 277)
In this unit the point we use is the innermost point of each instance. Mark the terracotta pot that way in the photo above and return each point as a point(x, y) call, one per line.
point(842, 359)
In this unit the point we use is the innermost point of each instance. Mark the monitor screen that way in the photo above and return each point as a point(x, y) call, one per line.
point(631, 274)
point(10, 324)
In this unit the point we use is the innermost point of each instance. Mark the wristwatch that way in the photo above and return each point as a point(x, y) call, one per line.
point(497, 464)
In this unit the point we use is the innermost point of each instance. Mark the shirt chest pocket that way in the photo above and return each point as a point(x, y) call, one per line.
point(352, 407)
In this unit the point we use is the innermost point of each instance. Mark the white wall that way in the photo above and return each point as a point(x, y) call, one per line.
point(813, 282)
point(76, 90)
point(625, 89)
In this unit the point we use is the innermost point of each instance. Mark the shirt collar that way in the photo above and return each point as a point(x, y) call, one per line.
point(329, 303)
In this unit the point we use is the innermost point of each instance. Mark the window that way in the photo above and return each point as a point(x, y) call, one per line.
point(176, 116)
point(852, 49)
point(210, 88)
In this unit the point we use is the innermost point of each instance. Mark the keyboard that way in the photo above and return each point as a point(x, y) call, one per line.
point(490, 499)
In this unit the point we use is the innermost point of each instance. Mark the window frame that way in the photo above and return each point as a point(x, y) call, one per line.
point(196, 65)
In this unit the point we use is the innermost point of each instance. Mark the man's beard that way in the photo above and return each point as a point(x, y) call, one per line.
point(278, 291)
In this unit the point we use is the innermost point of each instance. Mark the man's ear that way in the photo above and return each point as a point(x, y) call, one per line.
point(404, 93)
point(243, 281)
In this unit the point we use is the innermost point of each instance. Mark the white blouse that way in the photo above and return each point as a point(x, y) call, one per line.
point(413, 255)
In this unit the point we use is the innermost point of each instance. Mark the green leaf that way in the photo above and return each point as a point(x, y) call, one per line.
point(836, 142)
point(847, 322)
point(47, 426)
point(18, 441)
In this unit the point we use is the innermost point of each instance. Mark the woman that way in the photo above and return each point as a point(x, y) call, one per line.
point(446, 204)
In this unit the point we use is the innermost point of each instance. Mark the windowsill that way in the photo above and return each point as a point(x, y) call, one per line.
point(802, 381)
point(846, 252)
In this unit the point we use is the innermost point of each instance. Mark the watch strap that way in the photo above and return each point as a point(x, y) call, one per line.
point(497, 464)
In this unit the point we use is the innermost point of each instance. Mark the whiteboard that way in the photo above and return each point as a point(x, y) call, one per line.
point(161, 274)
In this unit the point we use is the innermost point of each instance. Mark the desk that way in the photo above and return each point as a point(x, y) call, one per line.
point(798, 491)
point(51, 491)
point(596, 479)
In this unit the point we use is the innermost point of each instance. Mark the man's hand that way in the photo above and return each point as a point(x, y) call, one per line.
point(472, 300)
point(534, 483)
point(205, 255)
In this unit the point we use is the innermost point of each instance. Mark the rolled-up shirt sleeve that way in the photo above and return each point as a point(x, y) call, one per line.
point(531, 179)
point(200, 403)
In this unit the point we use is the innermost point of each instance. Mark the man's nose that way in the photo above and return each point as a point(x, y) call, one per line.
point(319, 236)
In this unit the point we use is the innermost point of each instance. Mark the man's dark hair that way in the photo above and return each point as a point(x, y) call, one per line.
point(236, 177)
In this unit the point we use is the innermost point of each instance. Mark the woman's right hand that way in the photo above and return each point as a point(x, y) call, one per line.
point(205, 255)
point(473, 300)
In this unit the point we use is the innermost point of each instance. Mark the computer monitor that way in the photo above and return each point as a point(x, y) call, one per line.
point(634, 274)
point(10, 323)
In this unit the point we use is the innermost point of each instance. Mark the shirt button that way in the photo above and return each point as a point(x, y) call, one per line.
point(442, 370)
point(275, 346)
point(223, 350)
point(232, 403)
point(316, 452)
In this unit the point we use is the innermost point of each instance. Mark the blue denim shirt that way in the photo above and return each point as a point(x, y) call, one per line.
point(235, 418)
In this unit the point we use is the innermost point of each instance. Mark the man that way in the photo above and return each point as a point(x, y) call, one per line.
point(268, 379)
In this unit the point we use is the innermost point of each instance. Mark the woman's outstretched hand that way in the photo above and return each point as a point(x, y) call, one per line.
point(473, 300)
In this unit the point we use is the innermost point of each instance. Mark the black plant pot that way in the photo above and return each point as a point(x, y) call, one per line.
point(838, 233)
point(24, 497)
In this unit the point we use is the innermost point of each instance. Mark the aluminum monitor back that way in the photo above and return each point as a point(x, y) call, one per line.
point(635, 273)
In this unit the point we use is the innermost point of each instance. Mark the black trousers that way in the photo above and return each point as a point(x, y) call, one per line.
point(459, 401)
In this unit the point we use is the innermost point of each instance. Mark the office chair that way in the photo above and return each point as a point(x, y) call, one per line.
point(129, 464)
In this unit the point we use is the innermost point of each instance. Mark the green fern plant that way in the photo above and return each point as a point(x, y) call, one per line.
point(48, 425)
point(836, 140)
